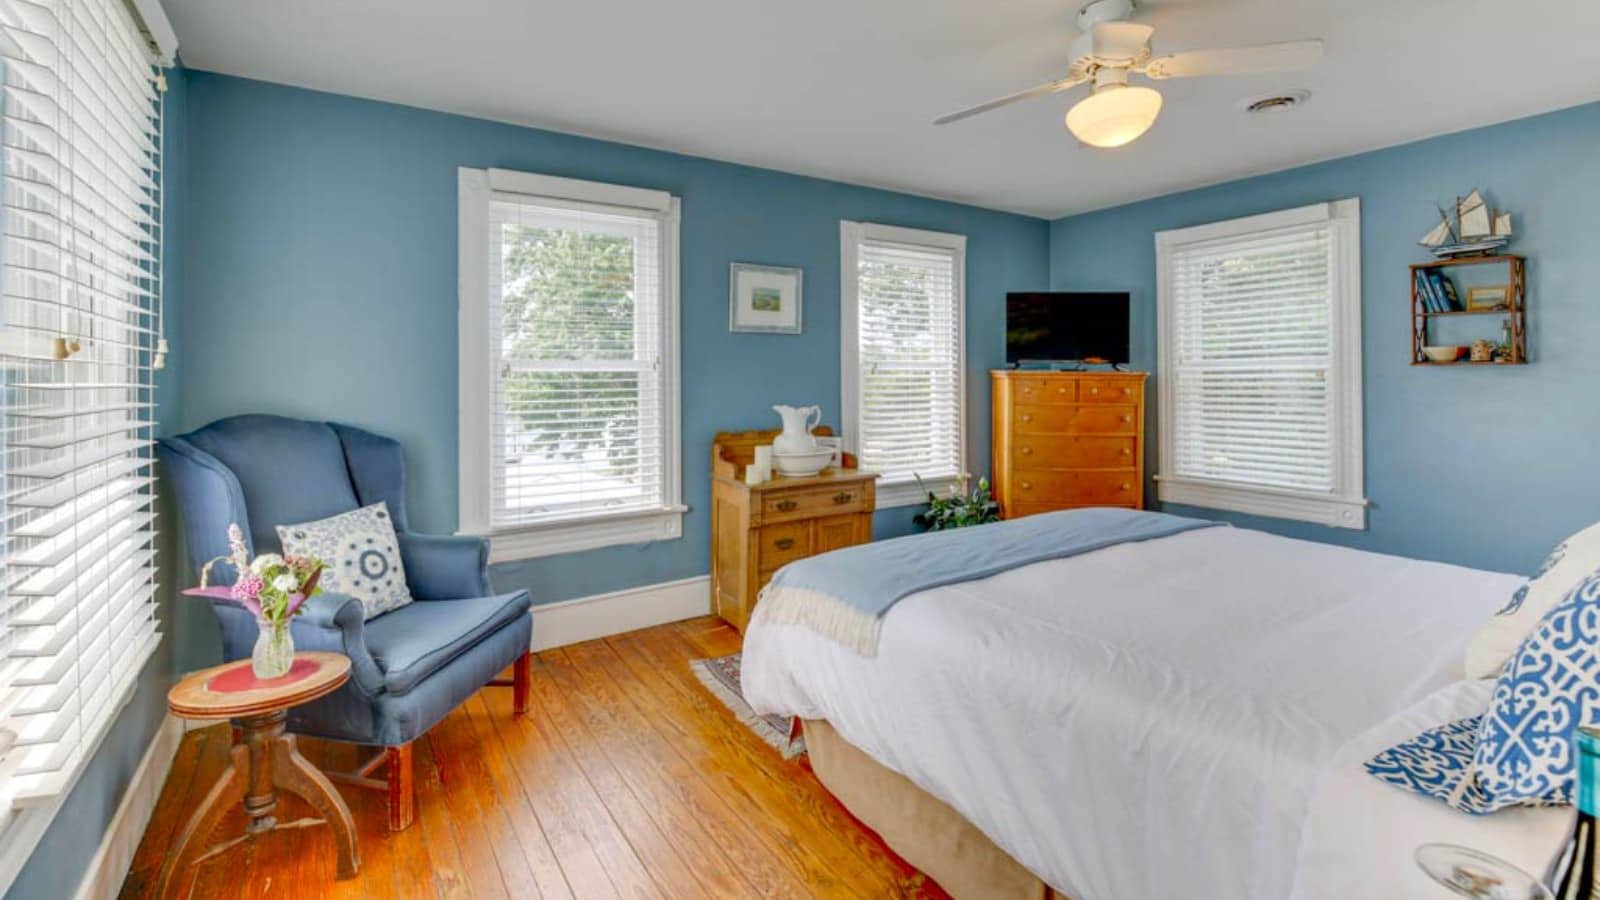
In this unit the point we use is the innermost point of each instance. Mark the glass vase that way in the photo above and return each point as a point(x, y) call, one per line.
point(274, 651)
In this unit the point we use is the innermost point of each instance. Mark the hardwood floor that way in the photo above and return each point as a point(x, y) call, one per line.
point(626, 779)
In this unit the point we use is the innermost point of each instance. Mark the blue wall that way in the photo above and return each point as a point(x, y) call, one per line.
point(322, 260)
point(59, 862)
point(1485, 467)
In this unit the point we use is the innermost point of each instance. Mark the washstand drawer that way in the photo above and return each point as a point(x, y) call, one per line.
point(783, 544)
point(1047, 390)
point(1075, 419)
point(1114, 488)
point(811, 503)
point(1072, 452)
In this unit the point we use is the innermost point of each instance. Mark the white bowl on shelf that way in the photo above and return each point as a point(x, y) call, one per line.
point(802, 464)
point(1441, 354)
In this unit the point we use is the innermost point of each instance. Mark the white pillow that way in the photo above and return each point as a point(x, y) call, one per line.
point(360, 556)
point(1569, 563)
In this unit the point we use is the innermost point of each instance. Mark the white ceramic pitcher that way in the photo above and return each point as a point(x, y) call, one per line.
point(797, 425)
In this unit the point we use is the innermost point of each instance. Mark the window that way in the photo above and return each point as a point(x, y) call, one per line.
point(1260, 344)
point(903, 409)
point(568, 363)
point(79, 326)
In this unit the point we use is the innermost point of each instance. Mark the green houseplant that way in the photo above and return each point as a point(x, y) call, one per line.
point(959, 509)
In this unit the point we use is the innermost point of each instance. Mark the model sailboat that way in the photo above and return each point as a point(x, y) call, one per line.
point(1477, 229)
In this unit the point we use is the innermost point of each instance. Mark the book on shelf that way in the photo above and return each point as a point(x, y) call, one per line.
point(1425, 293)
point(1446, 291)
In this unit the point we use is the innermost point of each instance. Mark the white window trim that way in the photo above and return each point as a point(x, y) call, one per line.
point(476, 373)
point(851, 234)
point(1346, 505)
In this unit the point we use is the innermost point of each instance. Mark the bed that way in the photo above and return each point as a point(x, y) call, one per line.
point(1182, 716)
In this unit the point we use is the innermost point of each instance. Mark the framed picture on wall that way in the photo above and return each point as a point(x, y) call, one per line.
point(764, 299)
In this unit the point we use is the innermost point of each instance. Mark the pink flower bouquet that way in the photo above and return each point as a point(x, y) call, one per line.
point(271, 586)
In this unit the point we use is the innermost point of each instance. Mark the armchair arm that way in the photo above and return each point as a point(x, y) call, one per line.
point(440, 567)
point(334, 622)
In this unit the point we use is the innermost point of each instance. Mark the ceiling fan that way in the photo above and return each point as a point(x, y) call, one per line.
point(1111, 48)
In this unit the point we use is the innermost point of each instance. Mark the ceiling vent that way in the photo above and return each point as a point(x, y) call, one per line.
point(1275, 103)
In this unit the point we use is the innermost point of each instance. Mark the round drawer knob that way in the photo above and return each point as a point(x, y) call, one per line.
point(1027, 418)
point(1027, 485)
point(1061, 390)
point(1094, 390)
point(1127, 392)
point(1127, 418)
point(1027, 451)
point(1126, 486)
point(1126, 452)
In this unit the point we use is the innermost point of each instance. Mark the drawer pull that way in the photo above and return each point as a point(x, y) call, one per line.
point(1127, 392)
point(1027, 485)
point(1027, 451)
point(1094, 390)
point(788, 505)
point(1127, 451)
point(786, 543)
point(1126, 486)
point(843, 497)
point(1027, 417)
point(1127, 418)
point(1061, 390)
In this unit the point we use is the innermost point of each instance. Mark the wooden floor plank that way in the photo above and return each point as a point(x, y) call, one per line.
point(626, 779)
point(658, 664)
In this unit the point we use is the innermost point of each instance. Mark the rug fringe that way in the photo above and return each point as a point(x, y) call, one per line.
point(742, 711)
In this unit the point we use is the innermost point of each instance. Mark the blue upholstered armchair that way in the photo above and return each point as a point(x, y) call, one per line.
point(409, 667)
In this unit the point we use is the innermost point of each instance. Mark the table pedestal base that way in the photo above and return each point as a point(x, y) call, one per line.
point(265, 761)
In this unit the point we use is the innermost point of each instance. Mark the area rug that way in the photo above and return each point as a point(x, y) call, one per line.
point(721, 678)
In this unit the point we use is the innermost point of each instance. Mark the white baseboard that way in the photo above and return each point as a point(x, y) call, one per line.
point(108, 869)
point(602, 615)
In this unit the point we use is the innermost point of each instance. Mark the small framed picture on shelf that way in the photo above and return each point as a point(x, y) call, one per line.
point(1489, 298)
point(764, 299)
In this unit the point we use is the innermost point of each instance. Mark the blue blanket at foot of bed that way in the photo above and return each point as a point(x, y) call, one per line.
point(844, 595)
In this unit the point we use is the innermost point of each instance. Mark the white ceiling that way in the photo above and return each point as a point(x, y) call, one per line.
point(845, 89)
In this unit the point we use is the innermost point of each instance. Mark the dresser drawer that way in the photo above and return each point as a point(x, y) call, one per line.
point(1075, 419)
point(1047, 390)
point(782, 544)
point(1018, 510)
point(1107, 390)
point(778, 506)
point(1114, 488)
point(1072, 452)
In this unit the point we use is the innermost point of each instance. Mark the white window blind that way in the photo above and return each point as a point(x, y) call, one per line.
point(78, 333)
point(582, 394)
point(1255, 344)
point(904, 370)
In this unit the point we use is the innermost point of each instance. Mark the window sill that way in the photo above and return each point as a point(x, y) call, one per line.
point(1323, 509)
point(574, 535)
point(911, 493)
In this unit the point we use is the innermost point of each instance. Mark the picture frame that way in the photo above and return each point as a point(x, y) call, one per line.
point(765, 299)
point(1489, 297)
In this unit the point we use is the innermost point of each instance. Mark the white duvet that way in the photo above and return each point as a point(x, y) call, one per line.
point(1179, 717)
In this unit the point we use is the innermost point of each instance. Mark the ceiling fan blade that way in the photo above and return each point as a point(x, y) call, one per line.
point(1043, 89)
point(1236, 60)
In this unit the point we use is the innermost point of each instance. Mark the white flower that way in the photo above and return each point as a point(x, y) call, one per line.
point(286, 583)
point(264, 562)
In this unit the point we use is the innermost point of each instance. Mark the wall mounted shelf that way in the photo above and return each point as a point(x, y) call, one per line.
point(1516, 312)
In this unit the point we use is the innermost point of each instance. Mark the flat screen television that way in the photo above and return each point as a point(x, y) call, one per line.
point(1057, 326)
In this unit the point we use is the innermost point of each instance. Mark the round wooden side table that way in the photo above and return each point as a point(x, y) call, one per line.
point(265, 759)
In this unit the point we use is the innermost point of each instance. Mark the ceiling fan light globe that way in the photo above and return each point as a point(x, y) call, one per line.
point(1114, 115)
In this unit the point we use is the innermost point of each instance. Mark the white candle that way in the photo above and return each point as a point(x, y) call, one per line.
point(753, 474)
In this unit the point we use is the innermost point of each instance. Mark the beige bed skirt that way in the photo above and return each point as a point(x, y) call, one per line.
point(921, 828)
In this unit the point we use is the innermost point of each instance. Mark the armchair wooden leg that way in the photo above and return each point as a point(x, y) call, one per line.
point(521, 683)
point(402, 794)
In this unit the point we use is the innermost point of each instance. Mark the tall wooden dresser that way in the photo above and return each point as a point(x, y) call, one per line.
point(757, 529)
point(1067, 439)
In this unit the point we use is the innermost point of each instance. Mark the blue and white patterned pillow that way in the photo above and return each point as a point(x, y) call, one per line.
point(361, 556)
point(1520, 751)
point(1490, 649)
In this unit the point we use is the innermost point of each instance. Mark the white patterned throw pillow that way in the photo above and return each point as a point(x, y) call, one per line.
point(1520, 751)
point(1571, 560)
point(360, 554)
